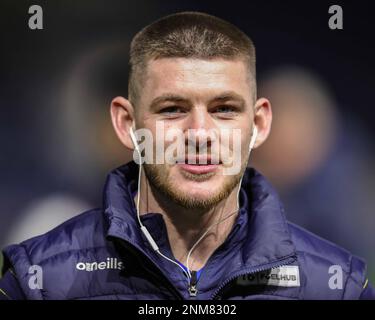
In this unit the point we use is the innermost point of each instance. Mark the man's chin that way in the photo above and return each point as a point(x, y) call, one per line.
point(195, 200)
point(189, 190)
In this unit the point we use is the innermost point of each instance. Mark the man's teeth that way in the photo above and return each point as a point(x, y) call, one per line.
point(201, 163)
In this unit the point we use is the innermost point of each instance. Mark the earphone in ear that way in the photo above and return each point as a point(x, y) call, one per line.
point(134, 139)
point(253, 138)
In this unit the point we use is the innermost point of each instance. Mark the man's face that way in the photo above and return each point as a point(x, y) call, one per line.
point(197, 94)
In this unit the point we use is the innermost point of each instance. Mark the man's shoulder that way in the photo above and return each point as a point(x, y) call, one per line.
point(311, 244)
point(323, 261)
point(81, 232)
point(57, 256)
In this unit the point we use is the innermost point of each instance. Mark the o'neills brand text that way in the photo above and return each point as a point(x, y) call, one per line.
point(110, 263)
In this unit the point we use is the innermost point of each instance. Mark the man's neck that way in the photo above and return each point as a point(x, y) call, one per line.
point(186, 226)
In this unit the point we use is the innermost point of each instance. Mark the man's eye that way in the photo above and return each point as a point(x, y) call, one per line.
point(171, 110)
point(225, 109)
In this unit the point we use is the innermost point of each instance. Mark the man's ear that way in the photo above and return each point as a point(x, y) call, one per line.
point(263, 120)
point(122, 115)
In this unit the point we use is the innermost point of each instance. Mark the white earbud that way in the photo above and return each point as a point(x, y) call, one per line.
point(253, 138)
point(134, 139)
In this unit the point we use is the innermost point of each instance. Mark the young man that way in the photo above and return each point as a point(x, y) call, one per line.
point(186, 228)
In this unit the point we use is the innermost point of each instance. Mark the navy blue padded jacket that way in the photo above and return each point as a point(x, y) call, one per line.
point(102, 254)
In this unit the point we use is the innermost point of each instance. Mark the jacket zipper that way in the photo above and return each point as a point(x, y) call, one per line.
point(193, 291)
point(283, 262)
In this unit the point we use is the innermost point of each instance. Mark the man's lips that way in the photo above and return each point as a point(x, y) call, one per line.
point(198, 168)
point(200, 165)
point(199, 161)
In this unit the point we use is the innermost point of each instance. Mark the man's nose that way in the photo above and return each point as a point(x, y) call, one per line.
point(201, 128)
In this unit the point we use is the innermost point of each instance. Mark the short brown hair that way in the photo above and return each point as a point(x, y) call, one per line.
point(188, 35)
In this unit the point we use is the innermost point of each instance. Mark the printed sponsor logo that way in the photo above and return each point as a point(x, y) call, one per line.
point(285, 276)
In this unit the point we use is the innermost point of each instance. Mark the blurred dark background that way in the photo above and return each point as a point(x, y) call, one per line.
point(57, 144)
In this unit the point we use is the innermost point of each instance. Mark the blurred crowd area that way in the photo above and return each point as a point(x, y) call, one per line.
point(57, 142)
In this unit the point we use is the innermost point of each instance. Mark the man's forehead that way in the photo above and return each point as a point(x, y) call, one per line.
point(195, 66)
point(187, 77)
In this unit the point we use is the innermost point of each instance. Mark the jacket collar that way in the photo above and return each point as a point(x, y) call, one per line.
point(261, 224)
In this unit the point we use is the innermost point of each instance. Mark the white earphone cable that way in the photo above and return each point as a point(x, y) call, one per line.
point(143, 228)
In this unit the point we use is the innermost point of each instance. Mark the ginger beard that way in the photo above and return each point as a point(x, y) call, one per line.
point(162, 177)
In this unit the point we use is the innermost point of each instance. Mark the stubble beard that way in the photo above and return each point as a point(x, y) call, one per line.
point(160, 179)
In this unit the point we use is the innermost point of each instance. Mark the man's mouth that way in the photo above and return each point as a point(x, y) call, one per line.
point(201, 165)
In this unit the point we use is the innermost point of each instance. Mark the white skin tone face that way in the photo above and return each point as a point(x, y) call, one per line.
point(193, 94)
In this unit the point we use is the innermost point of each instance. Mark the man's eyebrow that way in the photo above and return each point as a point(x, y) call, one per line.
point(228, 96)
point(222, 97)
point(167, 98)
